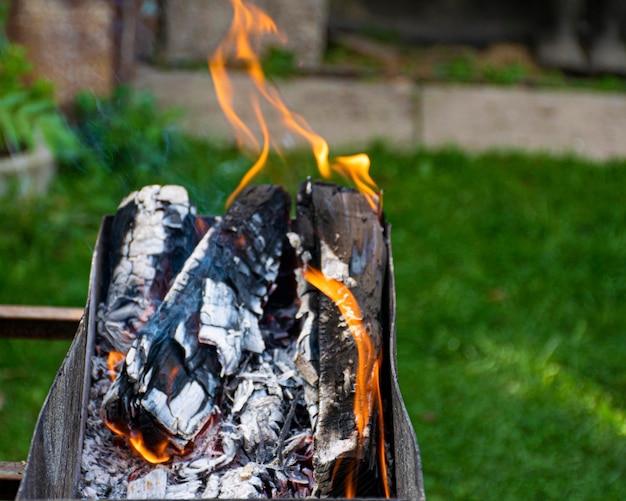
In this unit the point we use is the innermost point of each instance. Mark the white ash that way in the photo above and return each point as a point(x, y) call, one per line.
point(334, 267)
point(106, 466)
point(257, 445)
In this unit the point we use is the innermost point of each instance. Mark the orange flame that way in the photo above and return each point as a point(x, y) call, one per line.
point(356, 167)
point(155, 456)
point(367, 385)
point(251, 22)
point(114, 360)
point(260, 163)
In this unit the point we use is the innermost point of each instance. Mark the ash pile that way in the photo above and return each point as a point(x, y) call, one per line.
point(220, 369)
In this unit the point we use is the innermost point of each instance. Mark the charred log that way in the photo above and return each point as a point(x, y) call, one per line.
point(152, 235)
point(209, 318)
point(345, 240)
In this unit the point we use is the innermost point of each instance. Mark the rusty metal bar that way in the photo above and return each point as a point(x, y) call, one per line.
point(39, 322)
point(10, 477)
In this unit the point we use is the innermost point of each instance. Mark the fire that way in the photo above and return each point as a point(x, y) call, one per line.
point(154, 455)
point(114, 361)
point(367, 385)
point(249, 23)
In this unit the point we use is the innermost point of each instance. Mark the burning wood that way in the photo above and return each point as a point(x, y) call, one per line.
point(344, 239)
point(239, 376)
point(153, 234)
point(170, 380)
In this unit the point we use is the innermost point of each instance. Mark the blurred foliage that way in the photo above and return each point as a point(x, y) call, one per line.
point(27, 106)
point(125, 134)
point(498, 64)
point(278, 62)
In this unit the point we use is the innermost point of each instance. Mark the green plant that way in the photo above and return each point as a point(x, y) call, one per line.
point(126, 134)
point(279, 63)
point(27, 107)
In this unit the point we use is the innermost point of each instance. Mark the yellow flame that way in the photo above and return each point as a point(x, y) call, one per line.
point(156, 456)
point(248, 22)
point(260, 163)
point(356, 168)
point(114, 360)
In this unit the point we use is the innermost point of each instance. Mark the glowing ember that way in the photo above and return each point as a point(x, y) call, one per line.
point(250, 22)
point(152, 454)
point(367, 387)
point(114, 362)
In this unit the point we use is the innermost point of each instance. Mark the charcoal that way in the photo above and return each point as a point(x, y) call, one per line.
point(172, 376)
point(343, 237)
point(152, 235)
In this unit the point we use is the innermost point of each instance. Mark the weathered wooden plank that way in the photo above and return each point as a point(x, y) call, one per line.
point(12, 470)
point(407, 459)
point(53, 463)
point(348, 245)
point(38, 322)
point(10, 477)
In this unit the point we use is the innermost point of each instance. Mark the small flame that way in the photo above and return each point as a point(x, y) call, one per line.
point(367, 385)
point(356, 167)
point(155, 455)
point(260, 163)
point(114, 360)
point(250, 22)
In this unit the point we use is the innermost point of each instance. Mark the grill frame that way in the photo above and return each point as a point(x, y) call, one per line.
point(53, 465)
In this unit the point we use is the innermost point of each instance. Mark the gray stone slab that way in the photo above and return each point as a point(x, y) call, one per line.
point(194, 28)
point(482, 118)
point(349, 114)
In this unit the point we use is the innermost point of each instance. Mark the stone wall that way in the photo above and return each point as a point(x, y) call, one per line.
point(443, 21)
point(194, 28)
point(68, 41)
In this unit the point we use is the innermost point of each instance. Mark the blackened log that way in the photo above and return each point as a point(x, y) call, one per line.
point(152, 235)
point(345, 239)
point(170, 380)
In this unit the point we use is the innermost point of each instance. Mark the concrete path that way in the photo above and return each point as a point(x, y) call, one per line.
point(350, 114)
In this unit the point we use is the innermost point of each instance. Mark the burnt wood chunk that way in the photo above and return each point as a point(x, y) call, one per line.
point(345, 241)
point(152, 235)
point(171, 378)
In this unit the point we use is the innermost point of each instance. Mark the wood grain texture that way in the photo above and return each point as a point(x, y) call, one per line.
point(348, 245)
point(53, 463)
point(38, 322)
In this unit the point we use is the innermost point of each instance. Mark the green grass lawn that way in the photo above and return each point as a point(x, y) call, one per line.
point(511, 284)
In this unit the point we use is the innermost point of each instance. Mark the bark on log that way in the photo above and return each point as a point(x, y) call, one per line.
point(152, 235)
point(345, 240)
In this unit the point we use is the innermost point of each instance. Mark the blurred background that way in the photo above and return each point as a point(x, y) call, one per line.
point(495, 129)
